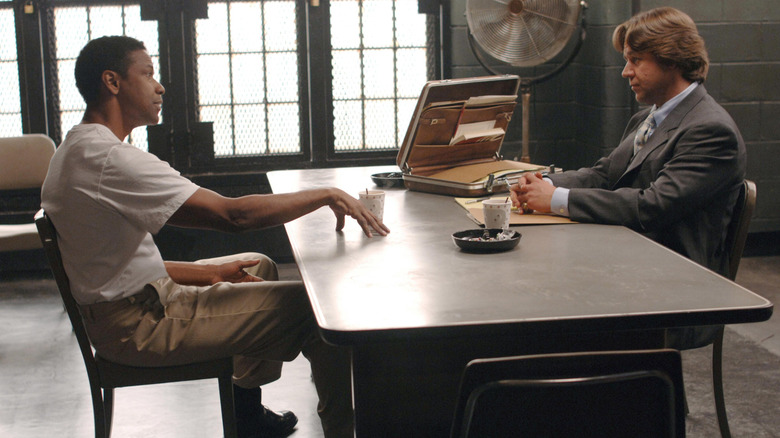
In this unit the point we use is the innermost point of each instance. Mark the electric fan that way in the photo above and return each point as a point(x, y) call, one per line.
point(524, 33)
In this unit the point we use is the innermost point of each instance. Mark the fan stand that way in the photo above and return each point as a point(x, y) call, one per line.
point(528, 83)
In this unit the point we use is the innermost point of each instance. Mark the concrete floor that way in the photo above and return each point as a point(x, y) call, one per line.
point(44, 390)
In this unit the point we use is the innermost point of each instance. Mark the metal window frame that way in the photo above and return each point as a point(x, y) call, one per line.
point(181, 139)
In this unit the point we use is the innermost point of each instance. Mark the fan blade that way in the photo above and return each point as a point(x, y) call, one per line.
point(548, 17)
point(533, 46)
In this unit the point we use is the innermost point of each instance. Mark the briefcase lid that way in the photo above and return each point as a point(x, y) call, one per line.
point(454, 90)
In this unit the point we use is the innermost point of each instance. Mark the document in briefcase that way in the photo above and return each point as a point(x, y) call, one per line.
point(453, 142)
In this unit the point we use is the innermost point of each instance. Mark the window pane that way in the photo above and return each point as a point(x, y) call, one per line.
point(257, 68)
point(77, 25)
point(412, 33)
point(70, 119)
point(246, 34)
point(222, 118)
point(410, 64)
point(213, 34)
point(213, 70)
point(346, 74)
point(380, 117)
point(405, 111)
point(70, 99)
point(251, 123)
point(282, 80)
point(379, 73)
point(345, 32)
point(286, 122)
point(347, 126)
point(248, 83)
point(377, 16)
point(379, 68)
point(10, 103)
point(279, 15)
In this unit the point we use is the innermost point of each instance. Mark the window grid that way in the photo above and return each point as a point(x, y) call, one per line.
point(373, 110)
point(362, 54)
point(70, 37)
point(235, 115)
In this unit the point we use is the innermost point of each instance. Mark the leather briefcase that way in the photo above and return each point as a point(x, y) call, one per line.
point(453, 142)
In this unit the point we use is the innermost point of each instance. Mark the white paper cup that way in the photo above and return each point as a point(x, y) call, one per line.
point(374, 201)
point(496, 212)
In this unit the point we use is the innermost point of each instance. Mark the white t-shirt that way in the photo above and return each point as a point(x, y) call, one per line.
point(106, 198)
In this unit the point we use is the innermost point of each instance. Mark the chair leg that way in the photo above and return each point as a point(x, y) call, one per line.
point(108, 402)
point(229, 428)
point(99, 411)
point(717, 384)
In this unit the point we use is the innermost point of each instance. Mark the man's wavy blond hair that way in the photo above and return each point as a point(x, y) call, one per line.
point(668, 34)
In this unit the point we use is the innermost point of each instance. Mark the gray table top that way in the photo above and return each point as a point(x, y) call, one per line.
point(416, 282)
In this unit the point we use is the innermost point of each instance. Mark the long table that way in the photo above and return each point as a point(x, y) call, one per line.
point(415, 309)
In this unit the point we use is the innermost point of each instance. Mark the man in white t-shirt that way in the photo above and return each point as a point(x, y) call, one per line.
point(107, 198)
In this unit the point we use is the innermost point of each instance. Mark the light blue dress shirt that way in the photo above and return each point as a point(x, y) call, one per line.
point(560, 199)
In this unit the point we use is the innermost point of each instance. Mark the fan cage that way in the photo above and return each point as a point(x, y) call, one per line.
point(522, 33)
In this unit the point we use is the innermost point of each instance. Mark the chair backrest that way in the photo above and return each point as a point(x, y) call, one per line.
point(24, 161)
point(48, 235)
point(602, 394)
point(740, 222)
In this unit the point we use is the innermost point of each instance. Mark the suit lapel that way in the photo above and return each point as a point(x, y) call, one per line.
point(662, 133)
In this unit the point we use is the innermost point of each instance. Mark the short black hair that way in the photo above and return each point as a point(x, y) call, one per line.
point(99, 55)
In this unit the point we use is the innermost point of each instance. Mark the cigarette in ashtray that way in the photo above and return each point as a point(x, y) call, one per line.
point(486, 237)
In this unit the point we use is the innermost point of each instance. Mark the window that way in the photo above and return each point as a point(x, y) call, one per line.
point(248, 77)
point(250, 84)
point(248, 64)
point(373, 40)
point(77, 25)
point(10, 104)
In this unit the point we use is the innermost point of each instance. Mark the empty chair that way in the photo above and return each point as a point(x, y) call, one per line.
point(24, 162)
point(597, 394)
point(105, 375)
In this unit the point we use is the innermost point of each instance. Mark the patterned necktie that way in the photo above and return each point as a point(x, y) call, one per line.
point(644, 131)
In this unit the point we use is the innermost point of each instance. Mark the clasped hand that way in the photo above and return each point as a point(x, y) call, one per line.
point(532, 193)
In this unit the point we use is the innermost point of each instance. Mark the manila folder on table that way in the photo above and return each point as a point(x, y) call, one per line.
point(474, 209)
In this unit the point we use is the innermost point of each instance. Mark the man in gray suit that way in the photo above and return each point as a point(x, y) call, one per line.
point(677, 172)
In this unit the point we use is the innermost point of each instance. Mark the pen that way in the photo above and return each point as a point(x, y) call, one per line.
point(471, 201)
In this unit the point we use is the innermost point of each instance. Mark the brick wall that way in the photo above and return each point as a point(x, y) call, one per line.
point(580, 114)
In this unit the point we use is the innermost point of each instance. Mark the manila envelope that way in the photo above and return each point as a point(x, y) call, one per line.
point(474, 209)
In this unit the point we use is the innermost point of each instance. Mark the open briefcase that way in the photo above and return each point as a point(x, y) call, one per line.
point(453, 143)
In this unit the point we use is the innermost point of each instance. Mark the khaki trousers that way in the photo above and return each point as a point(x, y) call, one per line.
point(260, 324)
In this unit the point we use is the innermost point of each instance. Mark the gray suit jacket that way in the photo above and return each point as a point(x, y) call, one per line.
point(679, 190)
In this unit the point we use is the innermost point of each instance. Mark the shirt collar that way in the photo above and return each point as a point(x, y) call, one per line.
point(660, 113)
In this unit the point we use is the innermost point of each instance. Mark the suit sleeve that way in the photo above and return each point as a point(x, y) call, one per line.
point(698, 163)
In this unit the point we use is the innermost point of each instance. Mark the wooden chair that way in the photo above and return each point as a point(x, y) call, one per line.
point(24, 161)
point(594, 394)
point(735, 242)
point(105, 375)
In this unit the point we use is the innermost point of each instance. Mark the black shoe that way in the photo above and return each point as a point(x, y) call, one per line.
point(267, 424)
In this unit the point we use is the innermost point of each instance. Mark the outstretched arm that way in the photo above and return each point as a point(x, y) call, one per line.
point(208, 209)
